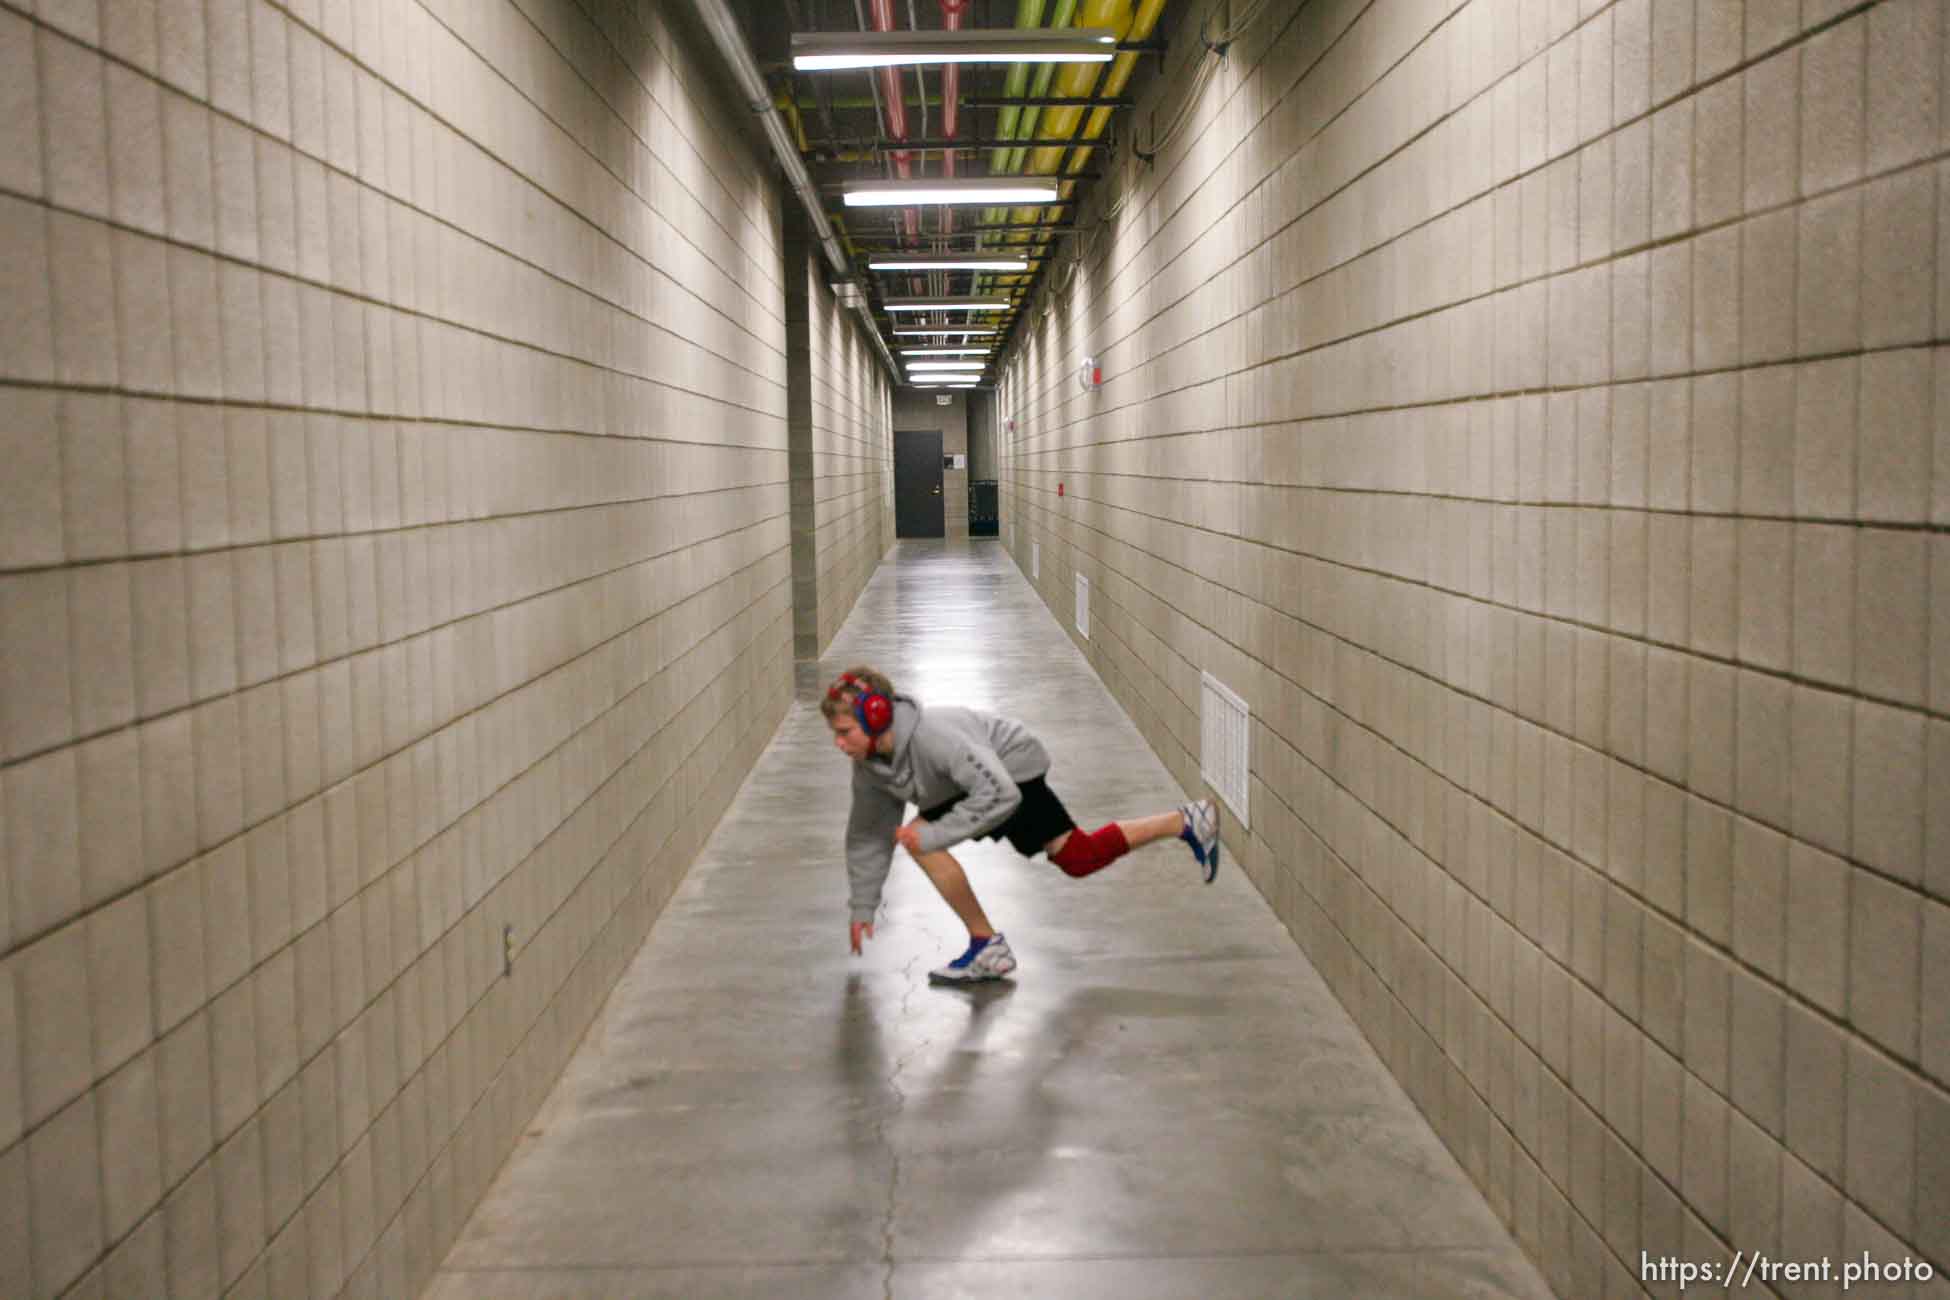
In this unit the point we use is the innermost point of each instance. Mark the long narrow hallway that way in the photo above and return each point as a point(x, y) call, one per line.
point(1165, 1101)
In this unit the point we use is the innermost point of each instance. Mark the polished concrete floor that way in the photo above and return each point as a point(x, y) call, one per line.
point(1164, 1101)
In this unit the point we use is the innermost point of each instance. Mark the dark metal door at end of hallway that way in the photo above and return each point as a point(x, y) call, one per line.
point(918, 509)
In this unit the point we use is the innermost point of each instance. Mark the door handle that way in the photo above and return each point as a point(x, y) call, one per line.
point(937, 489)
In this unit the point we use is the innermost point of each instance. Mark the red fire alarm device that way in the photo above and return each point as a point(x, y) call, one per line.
point(1090, 375)
point(1059, 489)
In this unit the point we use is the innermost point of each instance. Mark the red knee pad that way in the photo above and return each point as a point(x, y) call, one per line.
point(1085, 852)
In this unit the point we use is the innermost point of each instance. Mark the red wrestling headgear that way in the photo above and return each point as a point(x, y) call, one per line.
point(873, 711)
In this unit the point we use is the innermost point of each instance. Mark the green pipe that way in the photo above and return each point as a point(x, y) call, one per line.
point(1065, 15)
point(1029, 13)
point(1066, 12)
point(1023, 126)
point(1012, 159)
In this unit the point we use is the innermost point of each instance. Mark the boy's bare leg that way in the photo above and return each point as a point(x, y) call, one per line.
point(1143, 830)
point(952, 883)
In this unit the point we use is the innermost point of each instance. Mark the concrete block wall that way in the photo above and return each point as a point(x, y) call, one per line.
point(981, 435)
point(1536, 411)
point(395, 582)
point(842, 454)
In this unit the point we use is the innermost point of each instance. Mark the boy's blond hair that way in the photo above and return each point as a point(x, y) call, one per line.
point(841, 694)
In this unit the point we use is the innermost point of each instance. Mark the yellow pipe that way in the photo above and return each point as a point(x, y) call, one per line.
point(1021, 122)
point(1073, 81)
point(1077, 81)
point(1140, 28)
point(786, 104)
point(1120, 72)
point(1029, 13)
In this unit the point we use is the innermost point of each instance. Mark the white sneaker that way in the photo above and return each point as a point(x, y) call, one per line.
point(986, 959)
point(1202, 833)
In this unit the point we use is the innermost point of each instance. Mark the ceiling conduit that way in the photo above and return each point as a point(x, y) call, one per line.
point(1142, 25)
point(951, 16)
point(893, 106)
point(725, 34)
point(1120, 73)
point(1029, 13)
point(1076, 81)
point(1079, 82)
point(1066, 12)
point(1072, 81)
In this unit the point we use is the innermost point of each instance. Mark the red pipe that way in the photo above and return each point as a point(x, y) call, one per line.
point(894, 98)
point(951, 14)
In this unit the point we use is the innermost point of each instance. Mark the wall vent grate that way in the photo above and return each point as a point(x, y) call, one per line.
point(1225, 726)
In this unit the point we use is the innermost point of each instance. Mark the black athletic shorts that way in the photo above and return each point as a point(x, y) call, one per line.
point(1037, 820)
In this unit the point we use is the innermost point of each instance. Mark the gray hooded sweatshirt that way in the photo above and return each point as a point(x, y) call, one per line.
point(939, 753)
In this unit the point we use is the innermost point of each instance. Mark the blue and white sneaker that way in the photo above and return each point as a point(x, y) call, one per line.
point(1202, 833)
point(986, 959)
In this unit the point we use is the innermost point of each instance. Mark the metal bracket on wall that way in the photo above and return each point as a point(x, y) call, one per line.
point(1156, 45)
point(1148, 159)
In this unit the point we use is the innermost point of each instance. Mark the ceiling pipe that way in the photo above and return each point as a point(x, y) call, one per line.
point(1076, 81)
point(1029, 13)
point(730, 40)
point(1022, 123)
point(822, 94)
point(951, 15)
point(1142, 25)
point(893, 99)
point(1073, 81)
point(1066, 11)
point(950, 90)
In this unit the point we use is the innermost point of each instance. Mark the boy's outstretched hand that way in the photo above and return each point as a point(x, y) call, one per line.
point(861, 930)
point(909, 836)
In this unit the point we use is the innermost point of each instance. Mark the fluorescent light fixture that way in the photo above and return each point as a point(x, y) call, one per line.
point(959, 331)
point(840, 51)
point(946, 352)
point(982, 193)
point(949, 264)
point(947, 304)
point(915, 366)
